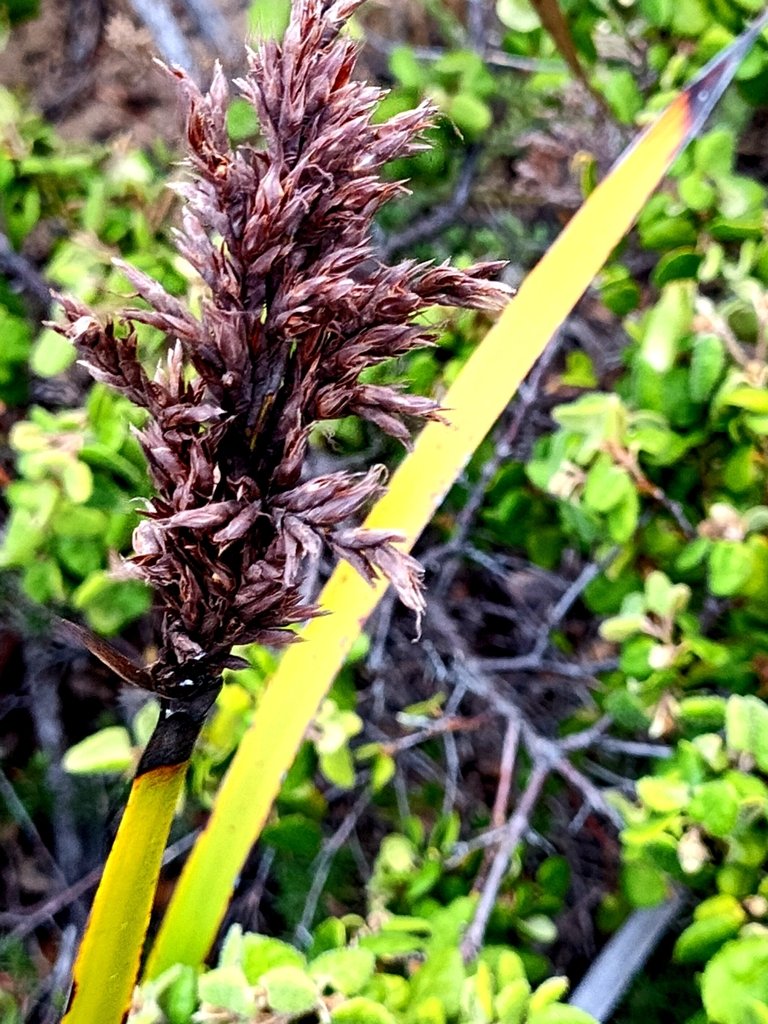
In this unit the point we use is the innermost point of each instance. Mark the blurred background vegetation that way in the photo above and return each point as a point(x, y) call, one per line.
point(602, 565)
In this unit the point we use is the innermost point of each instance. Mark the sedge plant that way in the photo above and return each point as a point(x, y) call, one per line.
point(299, 306)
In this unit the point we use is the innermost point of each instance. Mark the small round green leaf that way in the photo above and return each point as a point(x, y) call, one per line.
point(361, 1011)
point(735, 978)
point(289, 990)
point(51, 354)
point(261, 953)
point(108, 750)
point(345, 970)
point(730, 566)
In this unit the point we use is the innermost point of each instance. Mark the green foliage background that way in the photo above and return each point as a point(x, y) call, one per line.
point(658, 470)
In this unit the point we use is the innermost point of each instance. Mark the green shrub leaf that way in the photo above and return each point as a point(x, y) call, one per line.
point(344, 970)
point(289, 990)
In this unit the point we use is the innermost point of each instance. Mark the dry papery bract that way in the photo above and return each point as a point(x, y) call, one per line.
point(299, 306)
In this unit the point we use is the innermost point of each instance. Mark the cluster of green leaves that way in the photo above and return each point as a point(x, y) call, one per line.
point(411, 877)
point(387, 969)
point(665, 478)
point(71, 508)
point(705, 211)
point(460, 84)
point(681, 438)
point(83, 207)
point(78, 472)
point(482, 104)
point(16, 135)
point(703, 822)
point(673, 40)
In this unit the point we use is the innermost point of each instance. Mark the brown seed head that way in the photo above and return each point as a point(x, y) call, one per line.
point(299, 306)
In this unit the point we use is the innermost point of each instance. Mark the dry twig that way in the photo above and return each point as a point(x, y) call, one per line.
point(168, 37)
point(25, 278)
point(322, 866)
point(512, 834)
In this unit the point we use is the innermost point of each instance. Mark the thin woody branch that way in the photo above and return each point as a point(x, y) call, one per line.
point(443, 725)
point(512, 834)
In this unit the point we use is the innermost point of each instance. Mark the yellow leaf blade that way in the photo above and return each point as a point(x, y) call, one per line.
point(107, 964)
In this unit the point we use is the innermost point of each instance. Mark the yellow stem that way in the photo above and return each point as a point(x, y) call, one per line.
point(107, 964)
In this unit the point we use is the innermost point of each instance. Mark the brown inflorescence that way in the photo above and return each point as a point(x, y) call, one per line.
point(299, 305)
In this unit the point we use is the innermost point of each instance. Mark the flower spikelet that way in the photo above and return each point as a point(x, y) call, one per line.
point(298, 306)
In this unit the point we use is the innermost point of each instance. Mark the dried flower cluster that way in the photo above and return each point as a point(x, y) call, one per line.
point(299, 305)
